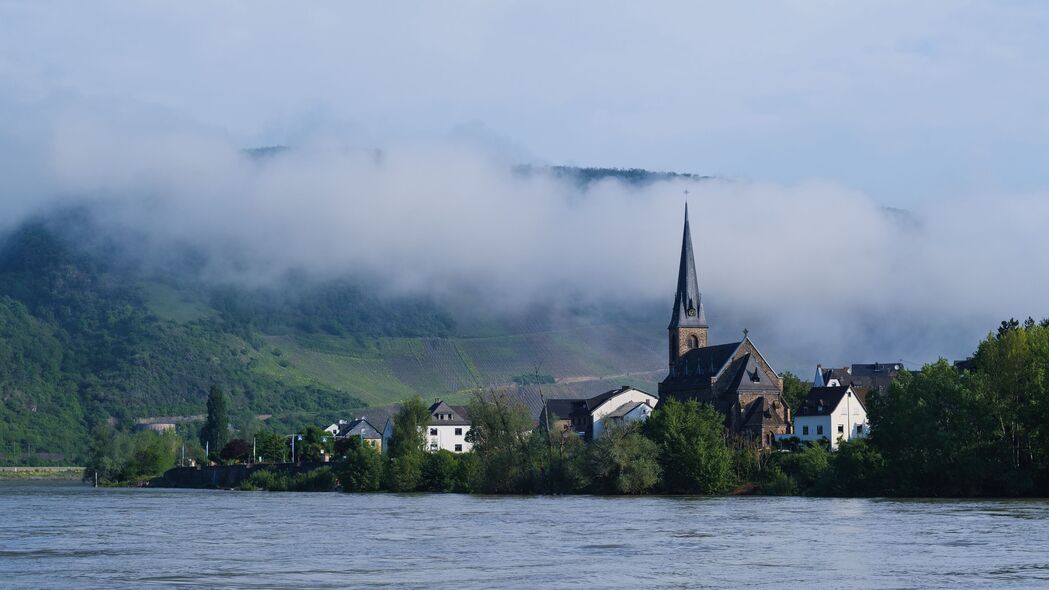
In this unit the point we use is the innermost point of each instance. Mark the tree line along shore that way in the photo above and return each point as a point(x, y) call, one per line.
point(978, 428)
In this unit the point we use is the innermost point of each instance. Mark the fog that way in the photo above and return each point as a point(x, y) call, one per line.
point(816, 271)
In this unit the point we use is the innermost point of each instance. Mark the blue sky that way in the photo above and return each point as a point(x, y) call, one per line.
point(900, 100)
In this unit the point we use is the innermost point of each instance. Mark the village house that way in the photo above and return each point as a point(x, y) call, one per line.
point(589, 417)
point(360, 428)
point(862, 377)
point(448, 427)
point(831, 413)
point(734, 378)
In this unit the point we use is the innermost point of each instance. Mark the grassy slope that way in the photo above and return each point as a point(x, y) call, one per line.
point(391, 369)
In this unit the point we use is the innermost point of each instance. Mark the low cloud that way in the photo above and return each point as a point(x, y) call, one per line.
point(816, 271)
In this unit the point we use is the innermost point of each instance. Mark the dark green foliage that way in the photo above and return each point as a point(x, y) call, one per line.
point(530, 379)
point(215, 433)
point(405, 452)
point(623, 461)
point(117, 457)
point(272, 448)
point(360, 470)
point(316, 444)
point(794, 389)
point(321, 479)
point(856, 469)
point(692, 449)
point(440, 472)
point(511, 457)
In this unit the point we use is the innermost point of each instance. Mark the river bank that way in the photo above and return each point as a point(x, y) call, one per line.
point(70, 473)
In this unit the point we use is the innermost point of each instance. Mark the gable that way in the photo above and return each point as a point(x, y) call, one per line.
point(747, 347)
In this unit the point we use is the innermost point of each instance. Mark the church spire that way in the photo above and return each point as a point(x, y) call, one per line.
point(688, 302)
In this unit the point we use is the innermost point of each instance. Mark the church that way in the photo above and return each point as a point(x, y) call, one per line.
point(732, 377)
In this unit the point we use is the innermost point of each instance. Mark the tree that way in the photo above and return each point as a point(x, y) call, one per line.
point(272, 447)
point(215, 433)
point(405, 450)
point(439, 472)
point(511, 459)
point(361, 468)
point(794, 389)
point(692, 451)
point(237, 449)
point(623, 461)
point(856, 469)
point(316, 444)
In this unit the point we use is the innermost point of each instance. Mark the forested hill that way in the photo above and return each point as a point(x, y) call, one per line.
point(89, 335)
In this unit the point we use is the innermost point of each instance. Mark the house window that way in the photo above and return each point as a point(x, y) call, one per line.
point(433, 446)
point(458, 448)
point(805, 430)
point(819, 429)
point(458, 432)
point(433, 432)
point(841, 429)
point(859, 429)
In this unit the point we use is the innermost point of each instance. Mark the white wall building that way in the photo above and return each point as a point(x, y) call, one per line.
point(448, 428)
point(588, 417)
point(831, 413)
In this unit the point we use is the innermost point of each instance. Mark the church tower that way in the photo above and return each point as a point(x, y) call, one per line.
point(688, 323)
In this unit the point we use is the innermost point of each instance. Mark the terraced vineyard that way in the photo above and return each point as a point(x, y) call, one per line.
point(583, 360)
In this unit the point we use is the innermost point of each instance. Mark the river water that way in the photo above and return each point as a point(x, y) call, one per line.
point(73, 536)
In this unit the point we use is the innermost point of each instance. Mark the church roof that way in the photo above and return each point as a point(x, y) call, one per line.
point(688, 302)
point(760, 413)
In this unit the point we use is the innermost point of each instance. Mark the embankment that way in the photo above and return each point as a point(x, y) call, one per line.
point(227, 476)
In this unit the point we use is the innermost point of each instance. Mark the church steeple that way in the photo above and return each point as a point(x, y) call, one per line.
point(688, 322)
point(688, 302)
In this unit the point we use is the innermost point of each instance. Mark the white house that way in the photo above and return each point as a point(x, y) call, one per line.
point(831, 413)
point(590, 416)
point(448, 428)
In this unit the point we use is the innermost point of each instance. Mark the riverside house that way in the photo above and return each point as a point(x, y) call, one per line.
point(833, 414)
point(589, 417)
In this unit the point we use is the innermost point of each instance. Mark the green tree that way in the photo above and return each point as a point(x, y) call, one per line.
point(623, 461)
point(272, 447)
point(511, 459)
point(405, 451)
point(692, 449)
point(794, 389)
point(856, 469)
point(215, 433)
point(440, 472)
point(361, 468)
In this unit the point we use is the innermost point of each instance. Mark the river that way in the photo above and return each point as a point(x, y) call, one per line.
point(65, 536)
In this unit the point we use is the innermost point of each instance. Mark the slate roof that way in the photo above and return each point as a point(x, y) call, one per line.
point(459, 415)
point(567, 409)
point(624, 409)
point(761, 414)
point(360, 428)
point(698, 365)
point(688, 301)
point(821, 401)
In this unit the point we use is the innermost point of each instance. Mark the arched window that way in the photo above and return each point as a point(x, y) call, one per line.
point(693, 342)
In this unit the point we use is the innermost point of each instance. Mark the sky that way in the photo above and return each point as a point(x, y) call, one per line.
point(813, 114)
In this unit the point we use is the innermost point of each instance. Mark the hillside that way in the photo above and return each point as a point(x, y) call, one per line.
point(87, 334)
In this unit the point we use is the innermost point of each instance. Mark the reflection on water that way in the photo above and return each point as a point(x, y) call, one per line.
point(65, 536)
